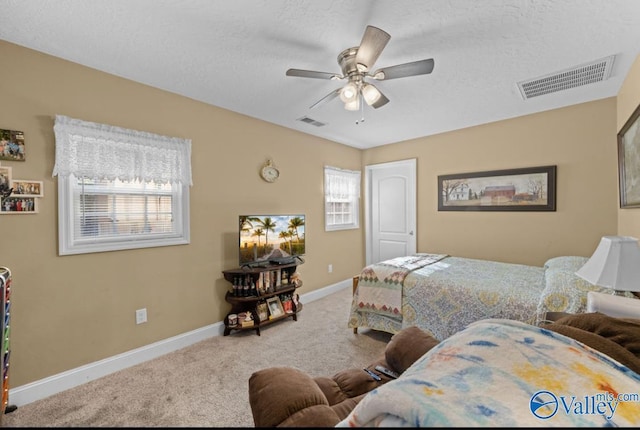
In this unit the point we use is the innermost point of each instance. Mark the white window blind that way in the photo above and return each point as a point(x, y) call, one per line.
point(120, 188)
point(342, 198)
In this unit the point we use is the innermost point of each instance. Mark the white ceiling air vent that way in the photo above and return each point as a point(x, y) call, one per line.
point(312, 121)
point(585, 74)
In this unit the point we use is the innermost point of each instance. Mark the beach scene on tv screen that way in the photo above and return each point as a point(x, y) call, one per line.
point(271, 237)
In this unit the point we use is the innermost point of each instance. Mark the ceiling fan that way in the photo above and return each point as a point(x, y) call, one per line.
point(356, 64)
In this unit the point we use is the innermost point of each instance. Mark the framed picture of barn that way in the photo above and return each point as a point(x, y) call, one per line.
point(523, 189)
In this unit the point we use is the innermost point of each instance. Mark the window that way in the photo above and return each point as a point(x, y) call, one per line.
point(120, 189)
point(341, 199)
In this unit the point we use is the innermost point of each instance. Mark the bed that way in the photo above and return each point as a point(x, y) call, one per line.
point(443, 294)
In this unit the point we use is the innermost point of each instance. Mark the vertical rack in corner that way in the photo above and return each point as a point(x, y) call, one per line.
point(5, 319)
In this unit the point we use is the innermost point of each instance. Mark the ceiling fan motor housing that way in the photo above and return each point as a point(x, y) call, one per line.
point(347, 62)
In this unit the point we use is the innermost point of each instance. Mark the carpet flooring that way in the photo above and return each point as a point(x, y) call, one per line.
point(206, 384)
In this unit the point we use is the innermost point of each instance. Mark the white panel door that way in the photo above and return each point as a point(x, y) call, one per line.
point(390, 210)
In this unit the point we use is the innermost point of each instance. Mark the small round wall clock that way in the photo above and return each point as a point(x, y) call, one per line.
point(269, 173)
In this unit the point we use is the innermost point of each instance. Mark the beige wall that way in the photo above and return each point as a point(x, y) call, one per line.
point(74, 310)
point(628, 100)
point(580, 140)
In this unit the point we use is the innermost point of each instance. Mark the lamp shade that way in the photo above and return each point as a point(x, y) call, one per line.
point(353, 105)
point(349, 93)
point(370, 94)
point(615, 264)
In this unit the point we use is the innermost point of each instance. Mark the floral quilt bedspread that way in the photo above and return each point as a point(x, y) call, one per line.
point(445, 294)
point(500, 373)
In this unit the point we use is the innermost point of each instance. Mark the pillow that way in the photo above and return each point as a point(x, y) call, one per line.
point(569, 263)
point(565, 291)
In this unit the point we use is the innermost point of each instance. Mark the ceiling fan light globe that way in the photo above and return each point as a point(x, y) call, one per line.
point(349, 93)
point(370, 94)
point(353, 105)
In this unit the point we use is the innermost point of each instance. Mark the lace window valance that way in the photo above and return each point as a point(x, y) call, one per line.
point(342, 184)
point(99, 151)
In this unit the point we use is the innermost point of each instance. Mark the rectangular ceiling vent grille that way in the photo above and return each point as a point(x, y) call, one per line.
point(585, 74)
point(312, 121)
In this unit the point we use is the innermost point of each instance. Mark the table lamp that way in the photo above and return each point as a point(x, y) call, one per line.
point(615, 264)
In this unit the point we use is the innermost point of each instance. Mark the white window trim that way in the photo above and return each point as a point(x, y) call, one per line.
point(77, 137)
point(67, 245)
point(354, 198)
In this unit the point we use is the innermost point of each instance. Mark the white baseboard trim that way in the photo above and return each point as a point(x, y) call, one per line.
point(46, 387)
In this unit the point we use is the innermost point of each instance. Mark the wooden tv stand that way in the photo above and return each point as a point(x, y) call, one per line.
point(273, 283)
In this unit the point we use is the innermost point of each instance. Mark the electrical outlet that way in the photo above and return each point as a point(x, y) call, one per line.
point(141, 316)
point(330, 268)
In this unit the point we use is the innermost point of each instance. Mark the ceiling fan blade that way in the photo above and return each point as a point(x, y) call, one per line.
point(332, 95)
point(383, 100)
point(373, 42)
point(422, 67)
point(312, 74)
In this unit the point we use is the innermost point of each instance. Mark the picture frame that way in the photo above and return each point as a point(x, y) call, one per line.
point(521, 189)
point(5, 179)
point(275, 307)
point(263, 311)
point(629, 161)
point(12, 145)
point(27, 188)
point(18, 205)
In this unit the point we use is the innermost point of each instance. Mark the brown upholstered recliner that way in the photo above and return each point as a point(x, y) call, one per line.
point(619, 338)
point(287, 397)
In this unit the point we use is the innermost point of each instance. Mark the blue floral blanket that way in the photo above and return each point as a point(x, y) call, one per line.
point(503, 373)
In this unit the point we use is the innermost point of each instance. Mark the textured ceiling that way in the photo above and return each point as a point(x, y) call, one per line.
point(234, 54)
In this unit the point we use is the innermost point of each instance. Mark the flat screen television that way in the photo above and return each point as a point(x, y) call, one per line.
point(271, 239)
